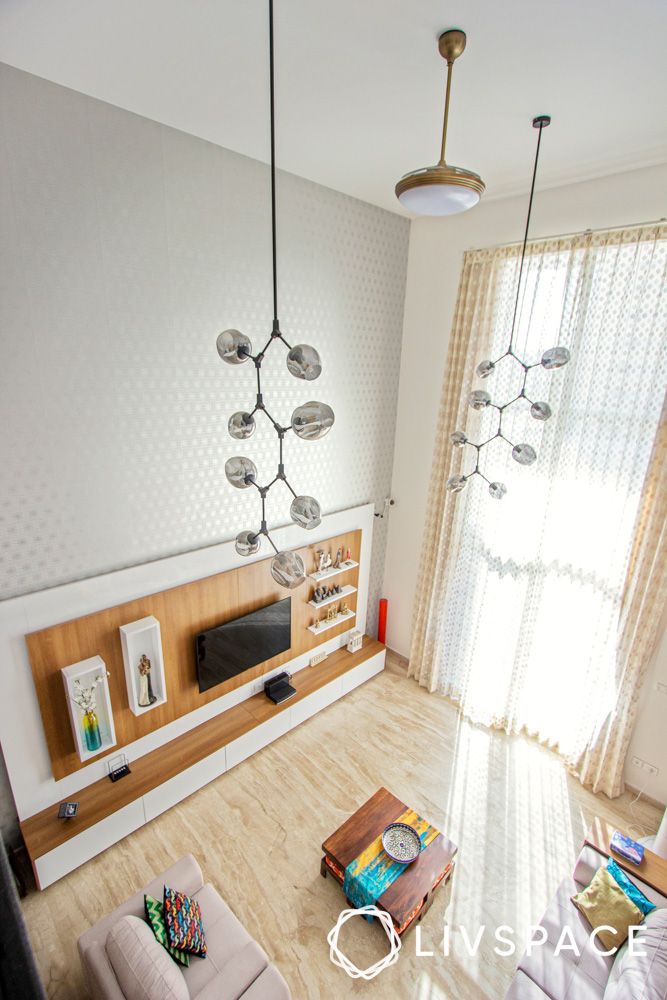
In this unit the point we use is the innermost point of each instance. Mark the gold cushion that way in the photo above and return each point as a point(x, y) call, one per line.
point(604, 904)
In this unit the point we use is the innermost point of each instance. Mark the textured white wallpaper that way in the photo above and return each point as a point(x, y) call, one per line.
point(127, 246)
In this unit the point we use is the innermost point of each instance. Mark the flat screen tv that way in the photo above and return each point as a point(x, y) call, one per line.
point(229, 649)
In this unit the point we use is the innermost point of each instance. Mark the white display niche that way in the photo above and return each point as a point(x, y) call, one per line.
point(79, 679)
point(143, 638)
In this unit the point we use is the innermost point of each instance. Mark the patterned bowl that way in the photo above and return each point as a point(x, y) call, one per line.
point(401, 842)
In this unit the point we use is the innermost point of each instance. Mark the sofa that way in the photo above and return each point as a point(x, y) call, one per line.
point(123, 961)
point(591, 975)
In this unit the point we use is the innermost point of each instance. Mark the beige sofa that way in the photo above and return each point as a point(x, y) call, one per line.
point(123, 961)
point(592, 975)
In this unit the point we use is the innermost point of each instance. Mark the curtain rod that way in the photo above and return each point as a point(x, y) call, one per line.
point(578, 232)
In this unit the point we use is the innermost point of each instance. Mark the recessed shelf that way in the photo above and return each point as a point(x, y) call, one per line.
point(325, 626)
point(143, 638)
point(326, 573)
point(345, 592)
point(93, 731)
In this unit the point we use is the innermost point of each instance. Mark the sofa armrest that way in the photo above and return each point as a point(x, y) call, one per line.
point(587, 864)
point(100, 975)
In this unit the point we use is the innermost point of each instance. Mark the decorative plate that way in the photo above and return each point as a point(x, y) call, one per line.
point(401, 842)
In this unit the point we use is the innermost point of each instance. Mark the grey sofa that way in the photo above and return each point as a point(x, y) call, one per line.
point(592, 975)
point(123, 961)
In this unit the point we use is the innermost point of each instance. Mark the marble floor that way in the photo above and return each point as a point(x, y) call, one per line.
point(515, 813)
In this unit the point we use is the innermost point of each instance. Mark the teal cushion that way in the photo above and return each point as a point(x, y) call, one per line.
point(629, 888)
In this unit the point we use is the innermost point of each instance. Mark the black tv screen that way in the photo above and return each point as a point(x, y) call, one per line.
point(229, 649)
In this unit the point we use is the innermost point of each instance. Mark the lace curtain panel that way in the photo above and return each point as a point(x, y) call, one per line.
point(539, 612)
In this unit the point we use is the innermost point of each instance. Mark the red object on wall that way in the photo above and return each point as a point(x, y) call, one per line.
point(382, 620)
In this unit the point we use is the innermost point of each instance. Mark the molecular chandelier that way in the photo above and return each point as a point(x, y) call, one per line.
point(310, 421)
point(478, 399)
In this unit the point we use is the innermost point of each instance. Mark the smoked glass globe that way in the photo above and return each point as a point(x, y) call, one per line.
point(455, 484)
point(241, 425)
point(247, 543)
point(233, 346)
point(497, 490)
point(479, 399)
point(555, 357)
point(458, 439)
point(305, 511)
point(303, 361)
point(240, 472)
point(312, 420)
point(484, 368)
point(287, 569)
point(540, 411)
point(524, 454)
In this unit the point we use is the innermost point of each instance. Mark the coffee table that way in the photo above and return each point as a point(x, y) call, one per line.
point(409, 897)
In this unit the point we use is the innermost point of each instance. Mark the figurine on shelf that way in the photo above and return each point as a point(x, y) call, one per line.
point(344, 610)
point(338, 589)
point(348, 556)
point(318, 594)
point(336, 564)
point(317, 622)
point(332, 613)
point(324, 560)
point(146, 696)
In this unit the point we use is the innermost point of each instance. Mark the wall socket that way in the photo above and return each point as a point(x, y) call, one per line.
point(644, 765)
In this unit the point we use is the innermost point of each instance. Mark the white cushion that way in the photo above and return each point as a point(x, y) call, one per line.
point(143, 968)
point(642, 977)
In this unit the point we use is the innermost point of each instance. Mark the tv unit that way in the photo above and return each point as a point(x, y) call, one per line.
point(242, 643)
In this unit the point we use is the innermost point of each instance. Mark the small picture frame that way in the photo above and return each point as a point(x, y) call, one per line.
point(67, 810)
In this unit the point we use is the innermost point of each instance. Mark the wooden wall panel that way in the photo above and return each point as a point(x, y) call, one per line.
point(182, 612)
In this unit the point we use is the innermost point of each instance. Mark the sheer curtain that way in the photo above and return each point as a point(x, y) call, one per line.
point(520, 607)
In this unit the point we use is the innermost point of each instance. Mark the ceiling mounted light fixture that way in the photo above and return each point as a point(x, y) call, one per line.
point(442, 189)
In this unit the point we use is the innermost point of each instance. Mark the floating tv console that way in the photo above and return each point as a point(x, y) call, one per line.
point(108, 812)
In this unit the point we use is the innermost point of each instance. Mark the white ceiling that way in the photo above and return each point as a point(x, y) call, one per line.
point(360, 82)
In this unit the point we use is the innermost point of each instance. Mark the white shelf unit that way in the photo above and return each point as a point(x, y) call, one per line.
point(137, 639)
point(88, 672)
point(345, 592)
point(325, 626)
point(326, 573)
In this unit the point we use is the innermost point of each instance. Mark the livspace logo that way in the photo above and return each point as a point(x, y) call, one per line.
point(503, 935)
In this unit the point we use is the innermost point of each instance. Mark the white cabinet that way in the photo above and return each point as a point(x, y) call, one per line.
point(315, 702)
point(257, 738)
point(364, 672)
point(84, 846)
point(159, 799)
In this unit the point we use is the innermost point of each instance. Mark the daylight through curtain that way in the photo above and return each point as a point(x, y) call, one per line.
point(522, 616)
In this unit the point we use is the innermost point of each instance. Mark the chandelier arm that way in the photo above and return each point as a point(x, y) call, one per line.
point(273, 168)
point(540, 126)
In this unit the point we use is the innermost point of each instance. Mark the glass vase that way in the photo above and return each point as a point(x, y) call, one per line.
point(91, 731)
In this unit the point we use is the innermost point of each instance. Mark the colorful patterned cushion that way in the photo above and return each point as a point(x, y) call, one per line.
point(182, 916)
point(155, 917)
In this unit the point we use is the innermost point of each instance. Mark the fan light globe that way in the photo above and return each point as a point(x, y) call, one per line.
point(455, 484)
point(458, 439)
point(497, 490)
point(524, 454)
point(479, 399)
point(555, 357)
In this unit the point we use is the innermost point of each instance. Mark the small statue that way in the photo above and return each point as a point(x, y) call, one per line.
point(348, 556)
point(324, 560)
point(336, 564)
point(332, 613)
point(146, 696)
point(344, 610)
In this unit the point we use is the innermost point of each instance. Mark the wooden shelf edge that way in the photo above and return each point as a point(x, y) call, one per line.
point(43, 831)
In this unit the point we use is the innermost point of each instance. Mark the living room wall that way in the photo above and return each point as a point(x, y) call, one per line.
point(127, 246)
point(434, 266)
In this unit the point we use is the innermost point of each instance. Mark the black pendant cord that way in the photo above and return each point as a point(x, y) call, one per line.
point(538, 123)
point(276, 325)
